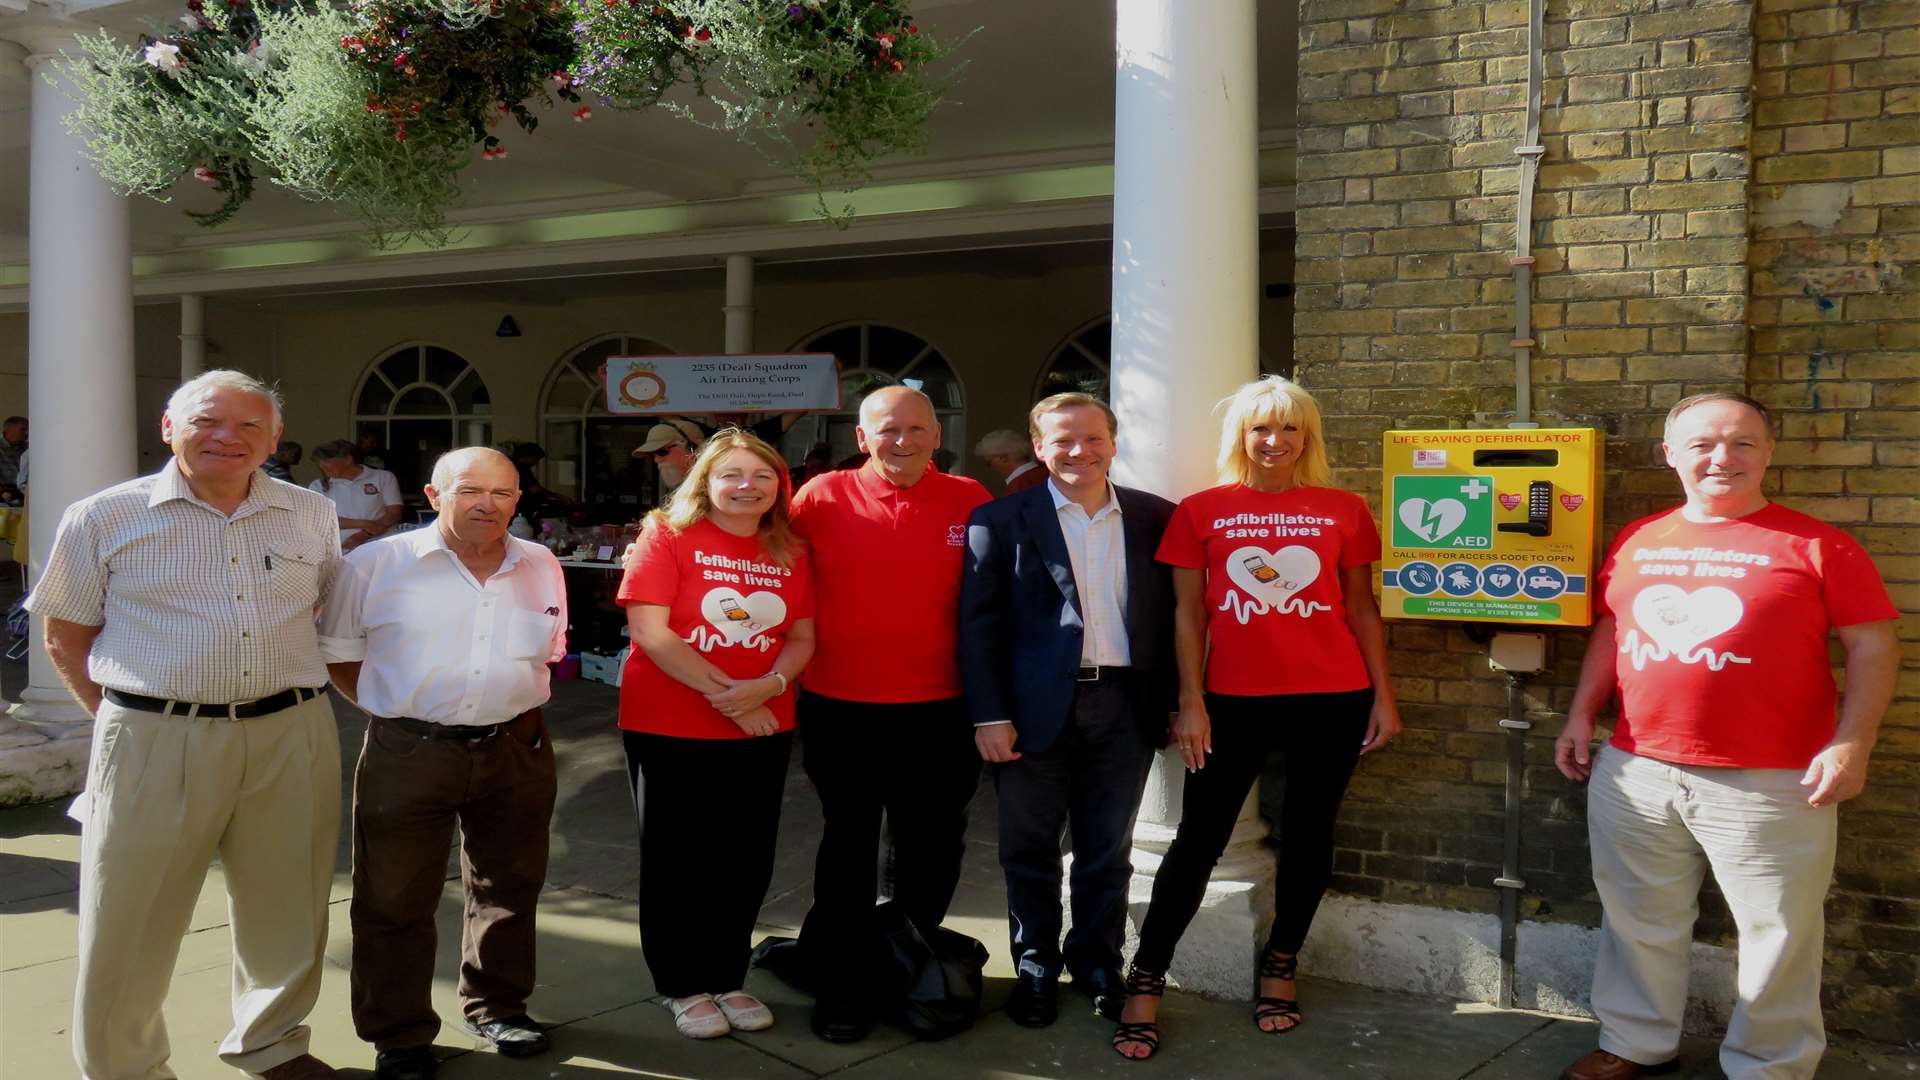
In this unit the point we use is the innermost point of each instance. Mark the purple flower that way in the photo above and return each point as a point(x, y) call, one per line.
point(796, 11)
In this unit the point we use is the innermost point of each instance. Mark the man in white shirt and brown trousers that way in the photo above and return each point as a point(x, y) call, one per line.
point(443, 635)
point(178, 608)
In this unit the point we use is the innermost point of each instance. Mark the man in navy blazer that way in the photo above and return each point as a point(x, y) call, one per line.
point(1066, 652)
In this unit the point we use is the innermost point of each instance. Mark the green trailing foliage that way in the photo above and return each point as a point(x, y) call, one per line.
point(379, 105)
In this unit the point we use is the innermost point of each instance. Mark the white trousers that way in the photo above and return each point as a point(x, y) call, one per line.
point(1655, 828)
point(167, 793)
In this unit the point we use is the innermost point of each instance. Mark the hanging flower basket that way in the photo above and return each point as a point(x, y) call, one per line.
point(430, 72)
point(176, 104)
point(633, 52)
point(380, 105)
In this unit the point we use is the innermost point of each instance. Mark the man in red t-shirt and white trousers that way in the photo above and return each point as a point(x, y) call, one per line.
point(883, 726)
point(1713, 625)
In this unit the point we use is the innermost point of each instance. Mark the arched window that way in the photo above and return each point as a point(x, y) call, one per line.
point(421, 401)
point(589, 450)
point(1080, 364)
point(873, 355)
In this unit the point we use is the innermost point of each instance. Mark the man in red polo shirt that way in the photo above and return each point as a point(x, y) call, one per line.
point(882, 724)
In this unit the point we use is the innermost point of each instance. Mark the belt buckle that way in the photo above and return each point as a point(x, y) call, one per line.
point(1088, 673)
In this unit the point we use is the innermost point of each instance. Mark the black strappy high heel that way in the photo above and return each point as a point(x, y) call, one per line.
point(1274, 965)
point(1145, 1032)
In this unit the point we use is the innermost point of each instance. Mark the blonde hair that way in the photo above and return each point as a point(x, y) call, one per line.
point(1273, 400)
point(692, 502)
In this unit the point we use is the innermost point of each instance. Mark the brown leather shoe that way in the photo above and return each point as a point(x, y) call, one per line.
point(1601, 1065)
point(304, 1067)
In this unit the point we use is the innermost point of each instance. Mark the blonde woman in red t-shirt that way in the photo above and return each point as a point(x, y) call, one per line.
point(1282, 655)
point(720, 608)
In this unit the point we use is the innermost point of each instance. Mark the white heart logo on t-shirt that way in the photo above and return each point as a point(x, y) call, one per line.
point(1433, 521)
point(1273, 577)
point(1680, 621)
point(740, 618)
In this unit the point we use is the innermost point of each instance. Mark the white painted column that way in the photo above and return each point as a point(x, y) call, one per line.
point(80, 398)
point(739, 309)
point(193, 335)
point(1185, 329)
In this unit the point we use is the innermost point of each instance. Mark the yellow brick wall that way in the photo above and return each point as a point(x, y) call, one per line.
point(1728, 201)
point(1836, 348)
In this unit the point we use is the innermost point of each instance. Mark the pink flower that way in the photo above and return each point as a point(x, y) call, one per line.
point(205, 175)
point(582, 114)
point(885, 40)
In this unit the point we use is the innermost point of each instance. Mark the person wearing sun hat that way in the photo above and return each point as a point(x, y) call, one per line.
point(672, 445)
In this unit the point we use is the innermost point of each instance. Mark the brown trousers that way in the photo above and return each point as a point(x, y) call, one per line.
point(407, 793)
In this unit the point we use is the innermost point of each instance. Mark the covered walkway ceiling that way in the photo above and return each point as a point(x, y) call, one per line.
point(1021, 153)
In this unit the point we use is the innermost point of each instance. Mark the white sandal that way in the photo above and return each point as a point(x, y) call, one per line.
point(698, 1027)
point(754, 1017)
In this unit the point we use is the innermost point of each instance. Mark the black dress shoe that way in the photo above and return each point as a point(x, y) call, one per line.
point(512, 1036)
point(1035, 1002)
point(406, 1063)
point(841, 1021)
point(1106, 988)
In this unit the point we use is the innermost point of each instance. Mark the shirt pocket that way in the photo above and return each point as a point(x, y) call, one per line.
point(294, 574)
point(529, 634)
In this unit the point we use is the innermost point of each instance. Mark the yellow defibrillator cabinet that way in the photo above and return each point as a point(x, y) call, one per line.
point(1499, 525)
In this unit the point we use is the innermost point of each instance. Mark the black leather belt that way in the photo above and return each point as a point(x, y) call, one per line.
point(1089, 673)
point(239, 710)
point(427, 729)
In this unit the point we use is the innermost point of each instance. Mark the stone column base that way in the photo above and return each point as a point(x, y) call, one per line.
point(43, 751)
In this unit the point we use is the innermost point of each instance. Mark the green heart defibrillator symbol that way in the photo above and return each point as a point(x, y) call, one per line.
point(1443, 512)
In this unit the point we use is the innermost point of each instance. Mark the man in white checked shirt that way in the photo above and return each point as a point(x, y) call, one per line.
point(179, 610)
point(443, 634)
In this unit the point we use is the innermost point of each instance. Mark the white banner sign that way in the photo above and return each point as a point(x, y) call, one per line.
point(781, 382)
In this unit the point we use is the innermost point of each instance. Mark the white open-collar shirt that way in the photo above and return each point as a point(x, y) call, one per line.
point(436, 644)
point(1097, 549)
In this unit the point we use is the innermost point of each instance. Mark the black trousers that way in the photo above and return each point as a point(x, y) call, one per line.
point(917, 764)
point(709, 816)
point(1087, 784)
point(1318, 737)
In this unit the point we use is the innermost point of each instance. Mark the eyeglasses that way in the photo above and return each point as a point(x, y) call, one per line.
point(667, 449)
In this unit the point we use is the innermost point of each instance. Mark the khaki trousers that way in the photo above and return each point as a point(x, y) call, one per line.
point(1655, 829)
point(167, 793)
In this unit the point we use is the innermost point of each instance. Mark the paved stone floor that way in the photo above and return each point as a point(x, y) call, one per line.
point(608, 1021)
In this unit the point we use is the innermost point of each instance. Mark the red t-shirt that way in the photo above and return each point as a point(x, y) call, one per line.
point(888, 561)
point(1276, 615)
point(1722, 634)
point(729, 600)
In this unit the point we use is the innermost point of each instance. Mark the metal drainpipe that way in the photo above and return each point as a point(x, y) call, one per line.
point(1529, 152)
point(1509, 882)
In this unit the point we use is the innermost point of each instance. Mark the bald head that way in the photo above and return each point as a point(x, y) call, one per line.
point(899, 430)
point(474, 490)
point(469, 458)
point(891, 400)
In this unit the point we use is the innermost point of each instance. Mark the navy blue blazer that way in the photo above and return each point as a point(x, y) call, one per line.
point(1020, 621)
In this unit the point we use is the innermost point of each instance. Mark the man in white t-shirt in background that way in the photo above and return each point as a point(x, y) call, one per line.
point(368, 500)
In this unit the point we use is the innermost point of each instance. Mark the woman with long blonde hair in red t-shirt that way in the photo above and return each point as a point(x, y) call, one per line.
point(719, 605)
point(1282, 655)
